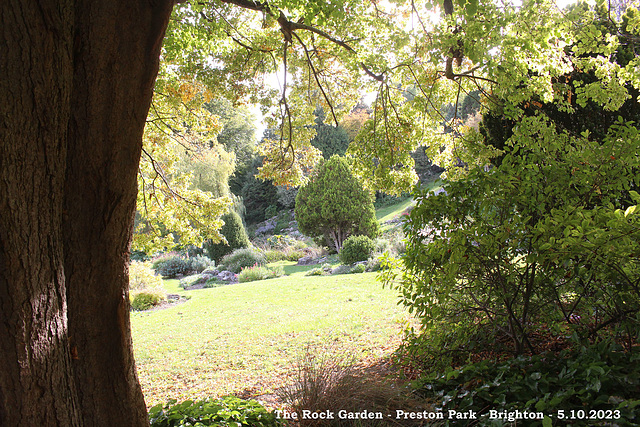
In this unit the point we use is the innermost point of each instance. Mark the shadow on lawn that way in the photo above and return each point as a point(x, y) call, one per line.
point(331, 389)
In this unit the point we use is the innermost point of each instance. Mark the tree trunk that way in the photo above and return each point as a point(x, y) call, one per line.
point(116, 62)
point(36, 73)
point(76, 85)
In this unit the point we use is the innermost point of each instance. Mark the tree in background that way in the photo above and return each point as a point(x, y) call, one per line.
point(257, 194)
point(234, 234)
point(333, 205)
point(352, 122)
point(331, 140)
point(238, 129)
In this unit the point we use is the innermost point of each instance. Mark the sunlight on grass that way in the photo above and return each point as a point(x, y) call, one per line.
point(246, 338)
point(390, 212)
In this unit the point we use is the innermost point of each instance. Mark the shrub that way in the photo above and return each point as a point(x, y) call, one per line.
point(271, 211)
point(226, 411)
point(328, 379)
point(599, 378)
point(190, 281)
point(242, 258)
point(141, 276)
point(173, 266)
point(234, 232)
point(161, 259)
point(138, 256)
point(293, 255)
point(326, 267)
point(199, 263)
point(356, 248)
point(257, 272)
point(382, 245)
point(145, 299)
point(273, 255)
point(280, 241)
point(374, 264)
point(315, 272)
point(357, 269)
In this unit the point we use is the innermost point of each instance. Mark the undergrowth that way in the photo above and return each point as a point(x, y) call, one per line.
point(227, 411)
point(596, 385)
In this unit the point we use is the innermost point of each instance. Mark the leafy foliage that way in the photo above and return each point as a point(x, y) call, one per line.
point(199, 263)
point(549, 236)
point(147, 298)
point(331, 140)
point(592, 384)
point(182, 179)
point(242, 258)
point(259, 272)
point(141, 276)
point(145, 288)
point(257, 194)
point(356, 248)
point(238, 130)
point(334, 206)
point(235, 235)
point(227, 411)
point(174, 265)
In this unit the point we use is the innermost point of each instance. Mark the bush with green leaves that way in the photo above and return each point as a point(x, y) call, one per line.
point(260, 272)
point(171, 267)
point(357, 269)
point(189, 281)
point(375, 263)
point(531, 242)
point(317, 271)
point(146, 298)
point(242, 258)
point(199, 263)
point(600, 382)
point(141, 276)
point(227, 411)
point(549, 235)
point(355, 249)
point(145, 288)
point(235, 234)
point(333, 205)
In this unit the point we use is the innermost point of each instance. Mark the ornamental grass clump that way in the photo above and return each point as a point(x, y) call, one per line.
point(258, 272)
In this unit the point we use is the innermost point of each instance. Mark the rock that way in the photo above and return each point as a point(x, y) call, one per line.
point(228, 276)
point(306, 260)
point(266, 228)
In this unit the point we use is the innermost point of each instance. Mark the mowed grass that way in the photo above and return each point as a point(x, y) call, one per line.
point(245, 339)
point(390, 212)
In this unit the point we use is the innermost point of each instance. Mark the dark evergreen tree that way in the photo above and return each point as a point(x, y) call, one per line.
point(334, 205)
point(234, 232)
point(329, 139)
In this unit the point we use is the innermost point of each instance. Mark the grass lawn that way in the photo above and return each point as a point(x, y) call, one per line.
point(390, 212)
point(245, 339)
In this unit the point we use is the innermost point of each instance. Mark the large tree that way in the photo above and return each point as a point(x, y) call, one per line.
point(77, 79)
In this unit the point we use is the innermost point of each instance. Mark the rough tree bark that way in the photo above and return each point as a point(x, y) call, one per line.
point(77, 79)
